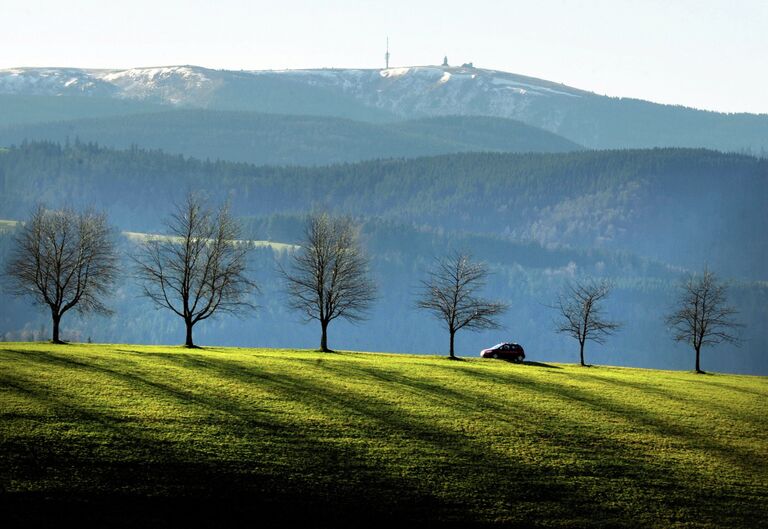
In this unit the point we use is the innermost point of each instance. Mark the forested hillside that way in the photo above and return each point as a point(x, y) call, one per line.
point(293, 140)
point(683, 207)
point(27, 109)
point(637, 218)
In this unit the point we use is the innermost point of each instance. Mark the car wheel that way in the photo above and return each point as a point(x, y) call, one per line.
point(494, 355)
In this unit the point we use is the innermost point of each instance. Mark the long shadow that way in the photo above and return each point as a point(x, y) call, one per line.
point(636, 414)
point(610, 446)
point(673, 395)
point(731, 387)
point(540, 364)
point(465, 455)
point(563, 493)
point(747, 461)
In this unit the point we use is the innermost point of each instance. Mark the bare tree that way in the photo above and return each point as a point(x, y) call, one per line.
point(450, 294)
point(65, 260)
point(703, 316)
point(581, 315)
point(328, 277)
point(198, 269)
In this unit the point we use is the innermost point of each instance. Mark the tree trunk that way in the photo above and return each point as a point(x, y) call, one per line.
point(324, 337)
point(581, 353)
point(56, 319)
point(698, 364)
point(452, 333)
point(188, 342)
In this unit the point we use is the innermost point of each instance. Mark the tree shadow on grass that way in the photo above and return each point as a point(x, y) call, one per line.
point(676, 395)
point(719, 384)
point(163, 474)
point(404, 467)
point(637, 414)
point(540, 364)
point(472, 466)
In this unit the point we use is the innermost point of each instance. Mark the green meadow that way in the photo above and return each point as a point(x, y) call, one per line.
point(129, 435)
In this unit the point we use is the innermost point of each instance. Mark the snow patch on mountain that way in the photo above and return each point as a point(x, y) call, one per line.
point(393, 72)
point(177, 85)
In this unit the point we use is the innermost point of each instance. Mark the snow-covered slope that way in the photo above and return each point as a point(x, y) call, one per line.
point(437, 90)
point(177, 85)
point(54, 81)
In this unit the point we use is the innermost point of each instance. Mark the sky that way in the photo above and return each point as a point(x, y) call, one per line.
point(704, 54)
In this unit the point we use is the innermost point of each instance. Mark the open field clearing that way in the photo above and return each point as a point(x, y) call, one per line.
point(140, 237)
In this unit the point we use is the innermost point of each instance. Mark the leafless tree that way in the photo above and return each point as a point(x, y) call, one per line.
point(450, 294)
point(199, 268)
point(65, 260)
point(581, 315)
point(703, 316)
point(328, 277)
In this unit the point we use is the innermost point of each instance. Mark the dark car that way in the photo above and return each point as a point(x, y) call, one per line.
point(510, 351)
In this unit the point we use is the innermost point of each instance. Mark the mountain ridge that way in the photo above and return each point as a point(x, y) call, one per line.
point(586, 118)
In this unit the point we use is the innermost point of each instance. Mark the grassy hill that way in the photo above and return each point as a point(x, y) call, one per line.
point(125, 434)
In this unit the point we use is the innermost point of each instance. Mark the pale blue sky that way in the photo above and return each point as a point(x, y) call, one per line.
point(705, 54)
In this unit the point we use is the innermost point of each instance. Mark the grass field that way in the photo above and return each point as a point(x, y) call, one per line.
point(131, 435)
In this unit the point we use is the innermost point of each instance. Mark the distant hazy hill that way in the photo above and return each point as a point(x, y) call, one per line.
point(407, 93)
point(27, 109)
point(293, 140)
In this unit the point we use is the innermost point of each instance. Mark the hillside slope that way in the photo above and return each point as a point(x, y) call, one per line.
point(271, 139)
point(133, 434)
point(17, 110)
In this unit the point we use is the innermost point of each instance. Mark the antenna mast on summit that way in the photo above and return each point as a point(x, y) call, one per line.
point(386, 55)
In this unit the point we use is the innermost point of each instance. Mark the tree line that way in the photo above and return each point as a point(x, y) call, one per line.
point(65, 259)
